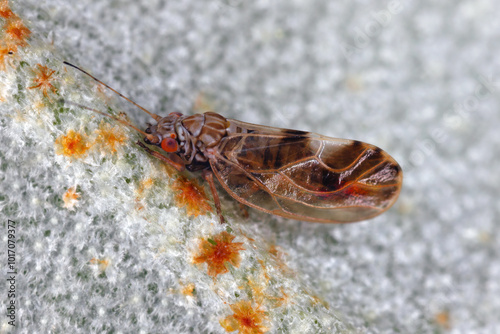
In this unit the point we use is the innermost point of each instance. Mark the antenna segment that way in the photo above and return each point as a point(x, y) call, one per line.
point(156, 117)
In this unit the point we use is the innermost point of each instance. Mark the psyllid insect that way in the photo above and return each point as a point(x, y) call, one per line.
point(293, 174)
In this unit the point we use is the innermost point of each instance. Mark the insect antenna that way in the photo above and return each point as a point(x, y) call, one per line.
point(156, 117)
point(148, 136)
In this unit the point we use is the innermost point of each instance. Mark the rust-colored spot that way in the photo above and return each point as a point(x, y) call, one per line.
point(190, 194)
point(279, 258)
point(139, 206)
point(274, 251)
point(110, 137)
point(16, 31)
point(273, 300)
point(280, 301)
point(103, 264)
point(264, 270)
point(43, 80)
point(143, 185)
point(140, 190)
point(261, 294)
point(218, 250)
point(442, 319)
point(188, 290)
point(70, 198)
point(245, 318)
point(147, 183)
point(72, 145)
point(6, 52)
point(5, 10)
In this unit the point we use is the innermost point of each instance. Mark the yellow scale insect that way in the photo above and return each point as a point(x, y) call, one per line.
point(293, 174)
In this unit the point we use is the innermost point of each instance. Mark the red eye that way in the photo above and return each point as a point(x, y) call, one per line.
point(169, 145)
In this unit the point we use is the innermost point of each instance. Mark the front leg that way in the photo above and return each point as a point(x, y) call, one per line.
point(209, 177)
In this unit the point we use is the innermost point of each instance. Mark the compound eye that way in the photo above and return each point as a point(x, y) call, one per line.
point(175, 113)
point(169, 145)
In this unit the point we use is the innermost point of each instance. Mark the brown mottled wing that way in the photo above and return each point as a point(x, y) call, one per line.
point(306, 176)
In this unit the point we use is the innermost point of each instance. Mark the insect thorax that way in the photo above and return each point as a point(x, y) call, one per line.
point(197, 134)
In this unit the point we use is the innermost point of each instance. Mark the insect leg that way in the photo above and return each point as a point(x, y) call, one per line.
point(163, 158)
point(209, 177)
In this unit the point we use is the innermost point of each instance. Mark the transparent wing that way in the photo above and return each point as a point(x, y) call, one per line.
point(306, 176)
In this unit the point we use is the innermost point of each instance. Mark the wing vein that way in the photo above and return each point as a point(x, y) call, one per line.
point(259, 183)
